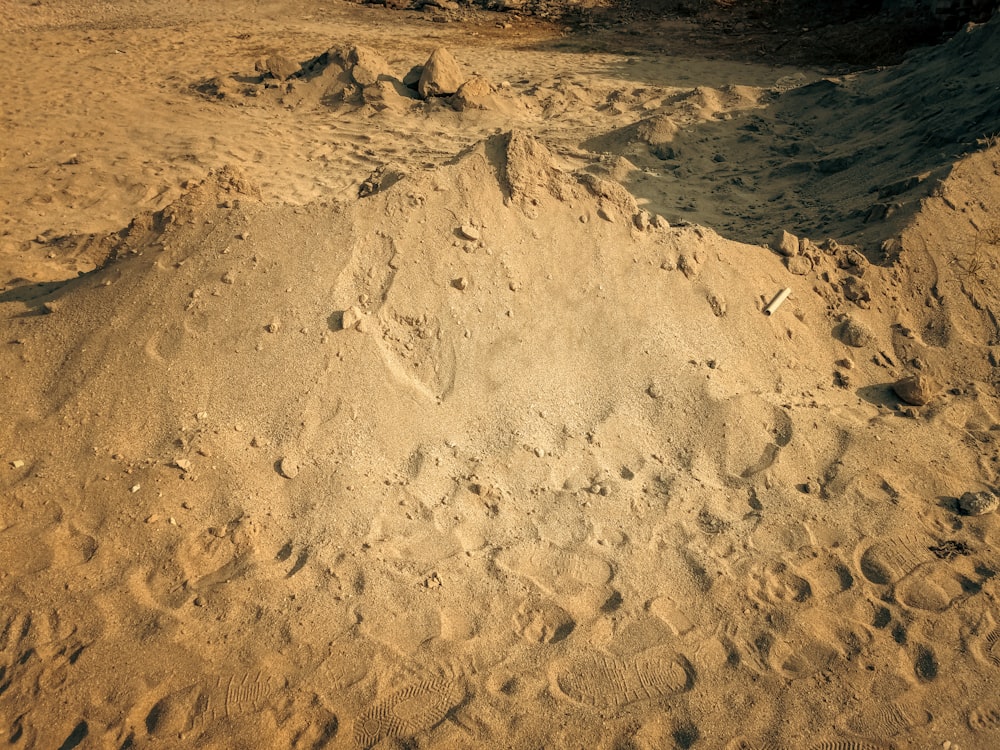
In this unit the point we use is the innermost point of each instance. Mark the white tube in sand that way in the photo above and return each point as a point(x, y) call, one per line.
point(776, 302)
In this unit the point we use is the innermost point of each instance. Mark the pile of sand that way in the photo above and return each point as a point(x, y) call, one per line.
point(494, 453)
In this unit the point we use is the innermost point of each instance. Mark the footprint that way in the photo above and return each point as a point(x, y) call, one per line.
point(413, 709)
point(932, 587)
point(888, 562)
point(991, 646)
point(600, 680)
point(776, 583)
point(826, 574)
point(557, 570)
point(543, 622)
point(742, 743)
point(194, 707)
point(985, 717)
point(890, 718)
point(853, 744)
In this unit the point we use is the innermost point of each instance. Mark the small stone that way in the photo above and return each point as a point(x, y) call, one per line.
point(288, 467)
point(606, 215)
point(654, 391)
point(274, 326)
point(856, 334)
point(201, 416)
point(172, 521)
point(135, 488)
point(152, 519)
point(785, 243)
point(916, 390)
point(856, 291)
point(978, 503)
point(799, 265)
point(183, 464)
point(659, 222)
point(351, 318)
point(199, 601)
point(243, 236)
point(469, 232)
point(718, 304)
point(17, 464)
point(228, 278)
point(461, 283)
point(540, 453)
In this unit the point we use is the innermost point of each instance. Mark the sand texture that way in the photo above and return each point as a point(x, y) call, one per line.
point(352, 404)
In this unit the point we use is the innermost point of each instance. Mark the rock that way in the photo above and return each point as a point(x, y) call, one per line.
point(352, 316)
point(441, 75)
point(412, 79)
point(367, 66)
point(785, 243)
point(799, 265)
point(469, 232)
point(476, 93)
point(183, 464)
point(978, 503)
point(718, 305)
point(856, 291)
point(916, 390)
point(856, 334)
point(279, 67)
point(461, 283)
point(288, 467)
point(654, 391)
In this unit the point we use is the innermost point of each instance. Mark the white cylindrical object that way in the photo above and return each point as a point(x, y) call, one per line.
point(776, 302)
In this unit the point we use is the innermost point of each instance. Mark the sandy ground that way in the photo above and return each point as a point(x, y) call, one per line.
point(335, 416)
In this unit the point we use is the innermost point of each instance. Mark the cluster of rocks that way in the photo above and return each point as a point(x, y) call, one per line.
point(802, 256)
point(364, 75)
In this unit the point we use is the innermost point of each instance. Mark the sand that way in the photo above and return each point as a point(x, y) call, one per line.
point(338, 417)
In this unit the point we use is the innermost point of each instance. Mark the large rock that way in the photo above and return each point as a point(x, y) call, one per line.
point(279, 67)
point(785, 243)
point(917, 390)
point(441, 76)
point(367, 66)
point(978, 503)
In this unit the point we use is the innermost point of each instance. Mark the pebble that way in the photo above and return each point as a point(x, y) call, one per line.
point(183, 464)
point(17, 464)
point(461, 283)
point(654, 391)
point(352, 316)
point(469, 232)
point(288, 467)
point(539, 452)
point(978, 503)
point(135, 488)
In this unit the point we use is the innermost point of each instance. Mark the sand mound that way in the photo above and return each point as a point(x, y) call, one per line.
point(426, 441)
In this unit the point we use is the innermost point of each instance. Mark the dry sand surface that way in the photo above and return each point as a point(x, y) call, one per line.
point(338, 417)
